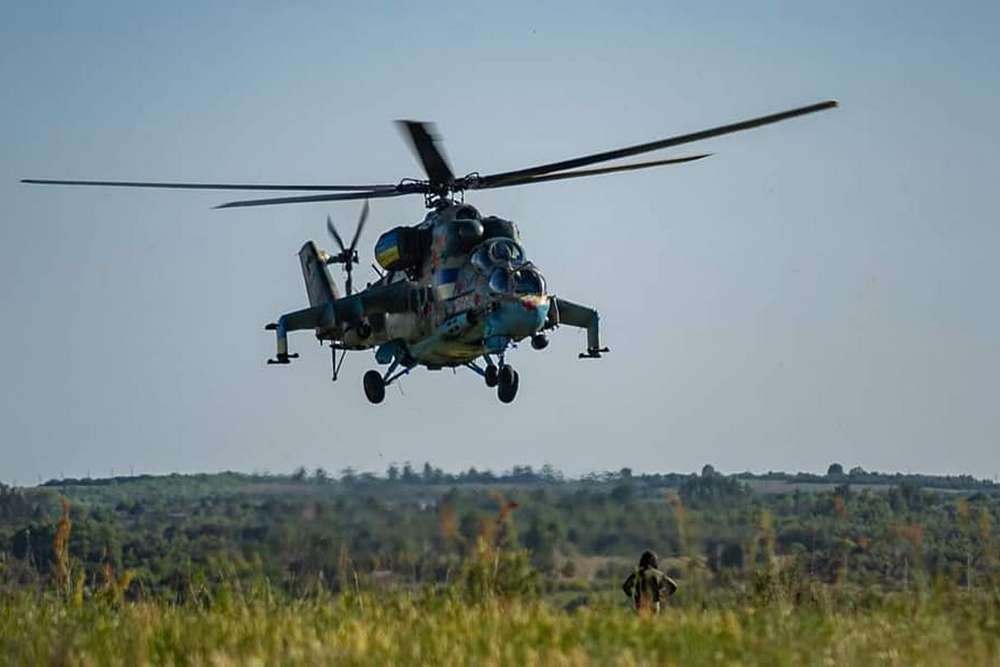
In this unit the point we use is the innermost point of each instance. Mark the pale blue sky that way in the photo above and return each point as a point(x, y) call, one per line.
point(823, 289)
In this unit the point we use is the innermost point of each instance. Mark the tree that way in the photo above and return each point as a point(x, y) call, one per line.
point(835, 469)
point(705, 491)
point(432, 475)
point(623, 493)
point(708, 470)
point(549, 473)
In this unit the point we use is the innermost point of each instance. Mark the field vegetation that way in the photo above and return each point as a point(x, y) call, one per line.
point(436, 628)
point(520, 568)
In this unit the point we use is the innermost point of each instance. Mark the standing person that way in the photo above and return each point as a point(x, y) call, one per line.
point(647, 586)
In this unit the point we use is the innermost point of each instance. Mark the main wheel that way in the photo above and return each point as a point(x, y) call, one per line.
point(508, 384)
point(374, 386)
point(491, 376)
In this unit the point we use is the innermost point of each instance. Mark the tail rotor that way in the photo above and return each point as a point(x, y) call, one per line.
point(348, 256)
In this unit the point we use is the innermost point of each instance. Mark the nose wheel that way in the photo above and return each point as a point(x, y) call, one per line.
point(503, 377)
point(507, 384)
point(491, 375)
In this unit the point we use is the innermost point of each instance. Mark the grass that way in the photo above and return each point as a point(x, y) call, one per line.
point(409, 629)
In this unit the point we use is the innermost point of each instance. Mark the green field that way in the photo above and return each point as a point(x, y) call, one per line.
point(479, 569)
point(368, 629)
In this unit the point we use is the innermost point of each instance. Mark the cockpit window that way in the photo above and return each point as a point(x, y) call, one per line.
point(481, 259)
point(499, 252)
point(504, 251)
point(500, 280)
point(529, 281)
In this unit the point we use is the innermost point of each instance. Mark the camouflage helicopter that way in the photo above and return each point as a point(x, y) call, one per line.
point(457, 288)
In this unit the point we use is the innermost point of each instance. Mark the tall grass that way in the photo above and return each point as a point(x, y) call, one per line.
point(436, 628)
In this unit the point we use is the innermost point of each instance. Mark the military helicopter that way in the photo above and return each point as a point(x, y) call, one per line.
point(455, 290)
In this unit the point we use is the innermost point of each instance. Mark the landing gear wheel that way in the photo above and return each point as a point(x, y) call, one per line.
point(374, 386)
point(509, 380)
point(491, 376)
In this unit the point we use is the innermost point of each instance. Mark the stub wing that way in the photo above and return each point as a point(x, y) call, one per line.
point(563, 311)
point(314, 317)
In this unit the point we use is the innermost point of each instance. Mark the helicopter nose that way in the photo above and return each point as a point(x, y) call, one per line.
point(518, 318)
point(536, 308)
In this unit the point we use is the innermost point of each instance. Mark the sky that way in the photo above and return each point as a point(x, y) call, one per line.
point(820, 290)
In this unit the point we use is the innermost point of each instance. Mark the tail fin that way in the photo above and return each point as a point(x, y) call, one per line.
point(319, 284)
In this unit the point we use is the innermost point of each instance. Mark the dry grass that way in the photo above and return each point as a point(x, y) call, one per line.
point(407, 630)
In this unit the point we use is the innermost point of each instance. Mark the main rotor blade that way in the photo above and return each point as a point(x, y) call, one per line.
point(371, 194)
point(590, 172)
point(333, 232)
point(361, 225)
point(488, 180)
point(211, 186)
point(423, 140)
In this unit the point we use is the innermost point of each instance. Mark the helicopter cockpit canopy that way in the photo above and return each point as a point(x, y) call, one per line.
point(500, 280)
point(528, 280)
point(497, 252)
point(525, 280)
point(507, 268)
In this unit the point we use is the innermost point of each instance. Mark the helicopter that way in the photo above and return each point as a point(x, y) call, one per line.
point(454, 290)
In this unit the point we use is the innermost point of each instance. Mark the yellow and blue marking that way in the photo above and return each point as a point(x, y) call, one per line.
point(444, 283)
point(387, 251)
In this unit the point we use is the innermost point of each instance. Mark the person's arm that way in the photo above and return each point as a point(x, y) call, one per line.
point(671, 585)
point(629, 585)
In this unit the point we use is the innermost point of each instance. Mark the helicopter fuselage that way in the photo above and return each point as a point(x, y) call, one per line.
point(457, 290)
point(470, 292)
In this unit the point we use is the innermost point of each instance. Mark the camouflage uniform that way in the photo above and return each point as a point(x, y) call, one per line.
point(647, 586)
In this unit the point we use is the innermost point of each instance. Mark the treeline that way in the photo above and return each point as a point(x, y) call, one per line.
point(858, 475)
point(407, 473)
point(179, 533)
